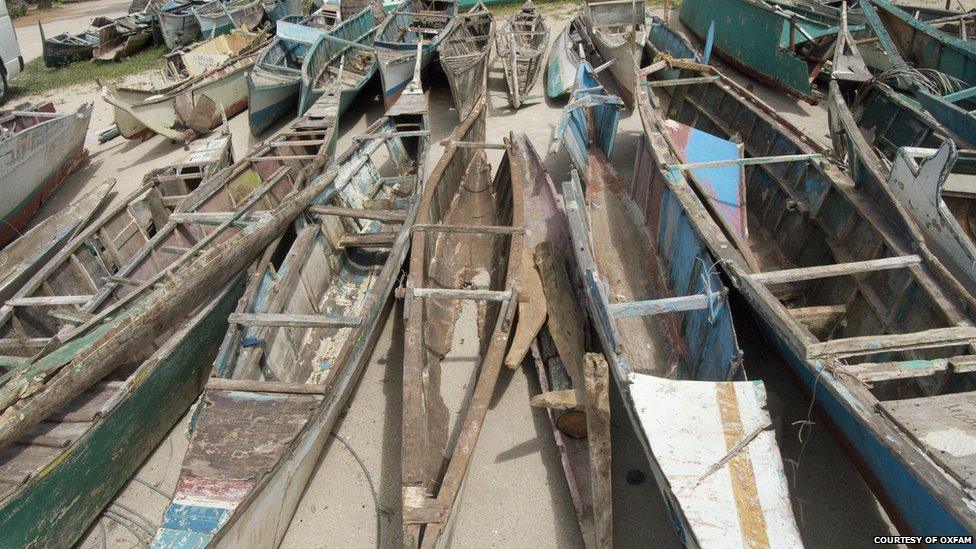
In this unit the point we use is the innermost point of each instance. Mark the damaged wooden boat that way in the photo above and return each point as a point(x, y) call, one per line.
point(108, 345)
point(298, 342)
point(340, 64)
point(914, 178)
point(464, 57)
point(177, 23)
point(663, 40)
point(788, 44)
point(617, 31)
point(128, 35)
point(275, 81)
point(868, 319)
point(65, 48)
point(38, 149)
point(219, 17)
point(413, 23)
point(281, 10)
point(592, 114)
point(521, 44)
point(571, 47)
point(939, 69)
point(177, 181)
point(464, 264)
point(209, 85)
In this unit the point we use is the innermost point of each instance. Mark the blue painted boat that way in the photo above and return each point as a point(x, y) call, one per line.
point(273, 86)
point(413, 22)
point(571, 47)
point(340, 63)
point(592, 114)
point(662, 39)
point(870, 321)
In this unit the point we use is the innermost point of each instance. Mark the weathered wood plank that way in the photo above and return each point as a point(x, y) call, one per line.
point(596, 375)
point(294, 321)
point(840, 269)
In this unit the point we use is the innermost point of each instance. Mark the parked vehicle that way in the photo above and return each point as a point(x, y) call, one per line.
point(11, 61)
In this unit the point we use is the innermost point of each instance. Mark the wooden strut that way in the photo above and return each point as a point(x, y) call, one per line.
point(468, 229)
point(632, 309)
point(453, 293)
point(680, 82)
point(840, 269)
point(473, 144)
point(283, 320)
point(748, 161)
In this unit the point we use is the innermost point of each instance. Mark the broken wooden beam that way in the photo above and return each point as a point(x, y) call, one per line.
point(359, 213)
point(456, 293)
point(282, 320)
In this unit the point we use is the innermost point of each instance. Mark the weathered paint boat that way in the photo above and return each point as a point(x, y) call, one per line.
point(617, 31)
point(464, 57)
point(913, 177)
point(464, 263)
point(212, 85)
point(571, 47)
point(871, 323)
point(298, 342)
point(663, 40)
point(278, 10)
point(21, 259)
point(120, 324)
point(521, 44)
point(904, 39)
point(219, 17)
point(786, 46)
point(128, 35)
point(38, 149)
point(275, 81)
point(591, 114)
point(177, 181)
point(66, 48)
point(413, 22)
point(177, 23)
point(339, 64)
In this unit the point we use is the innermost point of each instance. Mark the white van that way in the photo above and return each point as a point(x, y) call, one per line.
point(11, 62)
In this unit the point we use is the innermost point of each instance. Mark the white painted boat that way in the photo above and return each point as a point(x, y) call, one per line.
point(411, 23)
point(564, 59)
point(38, 149)
point(218, 18)
point(617, 31)
point(177, 23)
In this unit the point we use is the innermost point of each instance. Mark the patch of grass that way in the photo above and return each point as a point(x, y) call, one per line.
point(37, 79)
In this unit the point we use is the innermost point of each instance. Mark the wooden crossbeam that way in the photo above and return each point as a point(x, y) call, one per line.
point(473, 144)
point(359, 213)
point(215, 218)
point(122, 280)
point(455, 293)
point(256, 386)
point(296, 143)
point(371, 240)
point(176, 250)
point(874, 344)
point(30, 342)
point(748, 161)
point(840, 269)
point(280, 320)
point(49, 300)
point(679, 82)
point(389, 135)
point(76, 317)
point(468, 229)
point(174, 200)
point(659, 306)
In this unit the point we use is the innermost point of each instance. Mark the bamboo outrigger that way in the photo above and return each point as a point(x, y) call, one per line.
point(464, 260)
point(845, 288)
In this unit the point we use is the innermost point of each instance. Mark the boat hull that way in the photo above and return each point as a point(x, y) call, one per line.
point(178, 29)
point(80, 484)
point(34, 162)
point(266, 104)
point(561, 69)
point(247, 17)
point(395, 74)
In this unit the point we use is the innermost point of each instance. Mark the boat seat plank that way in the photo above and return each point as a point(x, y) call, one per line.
point(659, 306)
point(874, 344)
point(295, 321)
point(371, 240)
point(453, 293)
point(944, 426)
point(360, 213)
point(840, 269)
point(53, 434)
point(87, 406)
point(253, 386)
point(49, 300)
point(468, 229)
point(873, 372)
point(18, 463)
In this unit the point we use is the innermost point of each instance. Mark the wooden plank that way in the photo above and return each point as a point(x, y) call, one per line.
point(388, 135)
point(659, 306)
point(256, 386)
point(556, 400)
point(840, 269)
point(475, 145)
point(453, 293)
point(122, 280)
point(49, 300)
point(75, 317)
point(866, 345)
point(679, 82)
point(294, 321)
point(468, 229)
point(14, 343)
point(565, 318)
point(596, 374)
point(359, 213)
point(371, 240)
point(746, 161)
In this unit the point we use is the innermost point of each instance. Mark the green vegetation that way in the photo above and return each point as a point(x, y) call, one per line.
point(17, 10)
point(37, 79)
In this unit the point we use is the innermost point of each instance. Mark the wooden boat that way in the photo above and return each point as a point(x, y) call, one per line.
point(869, 321)
point(178, 181)
point(521, 45)
point(38, 149)
point(219, 17)
point(66, 48)
point(177, 23)
point(464, 261)
point(664, 40)
point(278, 10)
point(298, 342)
point(119, 326)
point(128, 35)
point(210, 86)
point(903, 40)
point(571, 47)
point(787, 46)
point(20, 259)
point(339, 64)
point(413, 22)
point(464, 57)
point(913, 177)
point(591, 114)
point(617, 31)
point(275, 81)
point(675, 373)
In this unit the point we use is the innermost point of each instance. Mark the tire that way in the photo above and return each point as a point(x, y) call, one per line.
point(4, 88)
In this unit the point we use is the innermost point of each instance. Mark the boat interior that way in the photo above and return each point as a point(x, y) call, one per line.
point(341, 65)
point(417, 20)
point(23, 116)
point(615, 22)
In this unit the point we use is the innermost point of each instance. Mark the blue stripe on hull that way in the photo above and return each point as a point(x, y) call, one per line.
point(261, 120)
point(915, 505)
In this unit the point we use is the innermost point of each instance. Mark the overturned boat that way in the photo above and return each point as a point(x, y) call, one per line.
point(299, 340)
point(521, 43)
point(572, 47)
point(869, 320)
point(464, 57)
point(208, 86)
point(38, 149)
point(414, 25)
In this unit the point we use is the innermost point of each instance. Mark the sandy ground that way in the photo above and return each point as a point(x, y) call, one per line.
point(515, 493)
